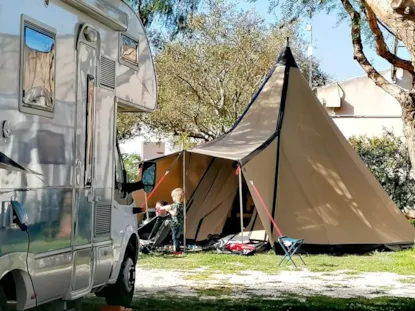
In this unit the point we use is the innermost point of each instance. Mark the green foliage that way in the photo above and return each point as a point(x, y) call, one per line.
point(412, 222)
point(388, 159)
point(131, 165)
point(172, 15)
point(207, 78)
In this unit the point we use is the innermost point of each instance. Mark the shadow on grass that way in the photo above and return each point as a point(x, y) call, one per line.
point(170, 303)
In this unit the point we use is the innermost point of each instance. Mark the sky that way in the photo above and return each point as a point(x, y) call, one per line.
point(332, 44)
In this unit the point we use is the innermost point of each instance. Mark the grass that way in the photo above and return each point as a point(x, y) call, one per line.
point(408, 280)
point(255, 304)
point(200, 276)
point(396, 262)
point(214, 292)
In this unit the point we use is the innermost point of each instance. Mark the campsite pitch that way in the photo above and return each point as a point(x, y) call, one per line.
point(214, 276)
point(210, 281)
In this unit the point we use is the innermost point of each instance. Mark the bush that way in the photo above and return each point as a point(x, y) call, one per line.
point(388, 159)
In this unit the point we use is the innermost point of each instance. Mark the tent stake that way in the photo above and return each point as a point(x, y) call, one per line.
point(184, 200)
point(241, 209)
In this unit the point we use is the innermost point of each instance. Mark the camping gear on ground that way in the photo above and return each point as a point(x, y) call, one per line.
point(241, 248)
point(157, 237)
point(315, 185)
point(235, 244)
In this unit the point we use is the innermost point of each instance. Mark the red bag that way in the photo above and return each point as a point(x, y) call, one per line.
point(242, 248)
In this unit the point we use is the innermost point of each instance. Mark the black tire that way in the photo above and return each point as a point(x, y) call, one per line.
point(121, 293)
point(3, 300)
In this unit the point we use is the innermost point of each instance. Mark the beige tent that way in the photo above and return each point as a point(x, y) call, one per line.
point(295, 163)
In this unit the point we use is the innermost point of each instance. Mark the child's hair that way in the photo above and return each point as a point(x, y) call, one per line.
point(162, 203)
point(177, 195)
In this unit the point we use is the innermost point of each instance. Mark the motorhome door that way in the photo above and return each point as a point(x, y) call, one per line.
point(87, 55)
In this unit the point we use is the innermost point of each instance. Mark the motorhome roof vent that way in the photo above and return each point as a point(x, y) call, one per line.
point(107, 78)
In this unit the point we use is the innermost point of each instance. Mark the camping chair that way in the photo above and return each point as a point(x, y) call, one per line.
point(158, 235)
point(289, 245)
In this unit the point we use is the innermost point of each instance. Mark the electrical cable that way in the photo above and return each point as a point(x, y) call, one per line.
point(27, 265)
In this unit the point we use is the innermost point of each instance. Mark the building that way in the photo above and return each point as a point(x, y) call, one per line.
point(151, 150)
point(359, 107)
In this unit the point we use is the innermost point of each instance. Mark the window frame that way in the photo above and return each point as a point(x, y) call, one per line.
point(46, 30)
point(121, 59)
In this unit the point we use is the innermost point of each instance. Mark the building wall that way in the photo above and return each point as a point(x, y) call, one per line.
point(359, 107)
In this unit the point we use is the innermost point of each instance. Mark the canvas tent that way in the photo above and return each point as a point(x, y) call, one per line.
point(310, 179)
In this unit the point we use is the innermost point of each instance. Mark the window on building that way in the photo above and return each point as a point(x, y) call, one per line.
point(38, 70)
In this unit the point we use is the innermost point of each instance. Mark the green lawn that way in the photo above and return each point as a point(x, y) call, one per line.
point(254, 304)
point(402, 262)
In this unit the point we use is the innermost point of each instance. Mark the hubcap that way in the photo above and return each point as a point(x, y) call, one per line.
point(129, 274)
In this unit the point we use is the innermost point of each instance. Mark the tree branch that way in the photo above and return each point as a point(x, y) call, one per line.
point(190, 85)
point(381, 48)
point(385, 27)
point(359, 55)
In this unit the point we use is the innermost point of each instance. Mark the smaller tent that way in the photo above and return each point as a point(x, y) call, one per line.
point(297, 167)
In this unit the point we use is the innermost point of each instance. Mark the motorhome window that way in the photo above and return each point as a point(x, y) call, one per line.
point(38, 70)
point(129, 50)
point(90, 109)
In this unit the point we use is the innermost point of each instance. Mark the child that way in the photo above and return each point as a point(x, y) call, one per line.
point(177, 221)
point(159, 205)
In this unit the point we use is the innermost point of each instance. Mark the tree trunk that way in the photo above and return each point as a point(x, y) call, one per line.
point(399, 17)
point(409, 133)
point(408, 114)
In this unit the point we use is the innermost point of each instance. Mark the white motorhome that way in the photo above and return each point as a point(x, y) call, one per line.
point(67, 68)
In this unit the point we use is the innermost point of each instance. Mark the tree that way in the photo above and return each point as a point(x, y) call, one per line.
point(374, 18)
point(131, 162)
point(172, 15)
point(388, 160)
point(207, 78)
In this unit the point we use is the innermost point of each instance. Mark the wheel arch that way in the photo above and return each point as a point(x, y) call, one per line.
point(130, 236)
point(17, 286)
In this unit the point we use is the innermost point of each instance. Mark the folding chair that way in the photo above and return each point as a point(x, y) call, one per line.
point(290, 247)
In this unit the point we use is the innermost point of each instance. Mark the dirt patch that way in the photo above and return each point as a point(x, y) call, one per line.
point(201, 283)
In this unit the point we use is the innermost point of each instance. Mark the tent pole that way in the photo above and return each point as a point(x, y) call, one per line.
point(184, 200)
point(241, 209)
point(145, 198)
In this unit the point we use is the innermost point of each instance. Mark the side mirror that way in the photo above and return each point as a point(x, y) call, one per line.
point(19, 215)
point(148, 176)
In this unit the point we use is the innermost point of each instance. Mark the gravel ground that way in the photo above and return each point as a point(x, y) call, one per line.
point(202, 283)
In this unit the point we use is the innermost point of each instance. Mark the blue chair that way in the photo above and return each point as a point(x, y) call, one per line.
point(290, 247)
